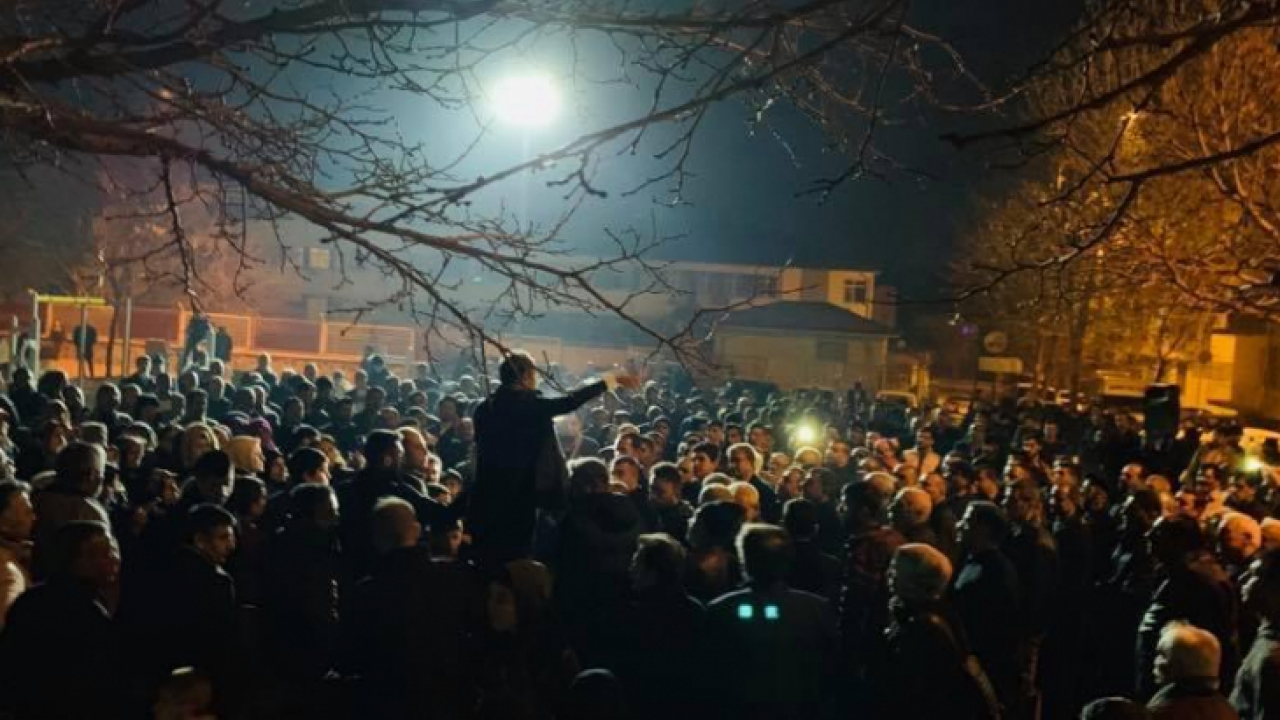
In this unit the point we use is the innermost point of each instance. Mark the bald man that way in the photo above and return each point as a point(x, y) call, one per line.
point(909, 514)
point(1239, 540)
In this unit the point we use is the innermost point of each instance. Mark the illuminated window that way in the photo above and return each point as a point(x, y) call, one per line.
point(855, 291)
point(746, 612)
point(317, 258)
point(771, 612)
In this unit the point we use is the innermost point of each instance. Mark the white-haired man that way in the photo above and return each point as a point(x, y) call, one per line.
point(1187, 664)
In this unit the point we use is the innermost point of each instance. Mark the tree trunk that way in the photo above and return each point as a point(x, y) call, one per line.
point(1079, 326)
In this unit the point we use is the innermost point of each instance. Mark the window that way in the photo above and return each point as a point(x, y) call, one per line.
point(768, 285)
point(855, 291)
point(316, 258)
point(833, 351)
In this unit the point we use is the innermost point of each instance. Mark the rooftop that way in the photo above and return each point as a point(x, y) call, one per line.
point(804, 316)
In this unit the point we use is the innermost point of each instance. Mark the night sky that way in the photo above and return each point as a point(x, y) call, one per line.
point(903, 225)
point(744, 204)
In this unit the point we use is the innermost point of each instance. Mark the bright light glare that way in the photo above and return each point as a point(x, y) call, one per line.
point(806, 434)
point(527, 100)
point(1253, 464)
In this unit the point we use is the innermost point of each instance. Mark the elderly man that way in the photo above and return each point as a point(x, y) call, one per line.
point(909, 514)
point(1239, 539)
point(1270, 529)
point(924, 675)
point(1186, 668)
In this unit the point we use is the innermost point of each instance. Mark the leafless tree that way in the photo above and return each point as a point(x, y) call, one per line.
point(282, 113)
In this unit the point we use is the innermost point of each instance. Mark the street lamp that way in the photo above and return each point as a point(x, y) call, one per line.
point(529, 100)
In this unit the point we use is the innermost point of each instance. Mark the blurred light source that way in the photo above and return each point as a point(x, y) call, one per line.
point(806, 434)
point(529, 99)
point(1253, 464)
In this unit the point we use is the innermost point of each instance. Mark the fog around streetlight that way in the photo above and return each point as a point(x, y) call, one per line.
point(529, 100)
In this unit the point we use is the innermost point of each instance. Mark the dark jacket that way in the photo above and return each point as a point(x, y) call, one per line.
point(1257, 691)
point(814, 571)
point(300, 600)
point(864, 597)
point(661, 665)
point(770, 507)
point(597, 540)
point(196, 618)
point(924, 674)
point(772, 651)
point(1035, 559)
point(1198, 592)
point(357, 499)
point(519, 468)
point(830, 529)
point(412, 631)
point(58, 655)
point(985, 593)
point(674, 520)
point(1190, 700)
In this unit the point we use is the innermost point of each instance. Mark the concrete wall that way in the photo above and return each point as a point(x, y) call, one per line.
point(699, 285)
point(795, 360)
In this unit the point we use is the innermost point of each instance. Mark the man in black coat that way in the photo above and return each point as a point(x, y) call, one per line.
point(813, 570)
point(301, 593)
point(380, 479)
point(1257, 690)
point(414, 625)
point(1194, 588)
point(985, 592)
point(772, 647)
point(519, 467)
point(195, 609)
point(57, 651)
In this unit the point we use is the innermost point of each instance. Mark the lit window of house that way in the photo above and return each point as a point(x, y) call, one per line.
point(317, 258)
point(855, 291)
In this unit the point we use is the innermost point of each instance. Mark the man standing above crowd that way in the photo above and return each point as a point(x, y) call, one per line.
point(519, 468)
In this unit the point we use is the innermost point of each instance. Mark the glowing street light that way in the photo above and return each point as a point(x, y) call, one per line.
point(528, 100)
point(806, 434)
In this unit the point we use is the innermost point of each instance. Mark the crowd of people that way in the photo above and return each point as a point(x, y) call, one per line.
point(291, 544)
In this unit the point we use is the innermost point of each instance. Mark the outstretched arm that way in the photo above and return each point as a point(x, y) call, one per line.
point(550, 408)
